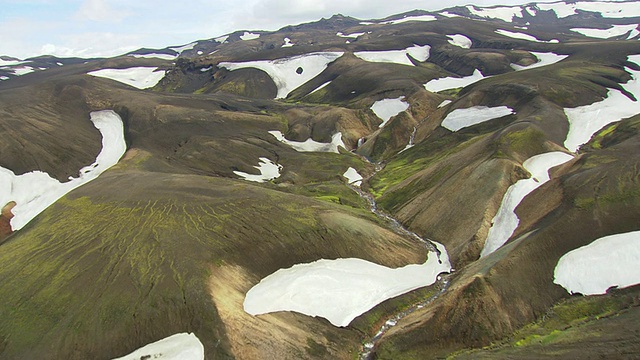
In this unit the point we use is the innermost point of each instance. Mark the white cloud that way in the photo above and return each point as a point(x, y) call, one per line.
point(105, 27)
point(102, 10)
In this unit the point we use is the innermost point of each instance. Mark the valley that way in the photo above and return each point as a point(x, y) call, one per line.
point(460, 183)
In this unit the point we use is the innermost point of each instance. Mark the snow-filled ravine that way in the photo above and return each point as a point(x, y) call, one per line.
point(612, 260)
point(180, 346)
point(447, 83)
point(311, 145)
point(523, 36)
point(586, 120)
point(420, 53)
point(614, 30)
point(385, 109)
point(340, 290)
point(139, 77)
point(289, 73)
point(33, 192)
point(462, 118)
point(353, 177)
point(506, 221)
point(268, 169)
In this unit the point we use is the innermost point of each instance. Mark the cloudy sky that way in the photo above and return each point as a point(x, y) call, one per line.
point(87, 28)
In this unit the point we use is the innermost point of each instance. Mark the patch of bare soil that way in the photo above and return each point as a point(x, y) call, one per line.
point(273, 336)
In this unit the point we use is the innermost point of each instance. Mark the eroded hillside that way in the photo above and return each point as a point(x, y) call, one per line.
point(506, 137)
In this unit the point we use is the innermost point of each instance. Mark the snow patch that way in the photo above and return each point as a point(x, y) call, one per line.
point(614, 30)
point(351, 36)
point(447, 83)
point(420, 53)
point(180, 346)
point(449, 15)
point(506, 221)
point(269, 170)
point(444, 103)
point(608, 9)
point(285, 72)
point(608, 261)
point(586, 120)
point(544, 59)
point(460, 40)
point(561, 9)
point(320, 87)
point(180, 49)
point(462, 118)
point(35, 191)
point(353, 177)
point(342, 289)
point(385, 109)
point(287, 43)
point(411, 18)
point(155, 56)
point(139, 77)
point(4, 78)
point(523, 36)
point(249, 36)
point(504, 13)
point(221, 39)
point(310, 145)
point(12, 62)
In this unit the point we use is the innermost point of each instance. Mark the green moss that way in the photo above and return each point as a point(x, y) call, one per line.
point(526, 143)
point(427, 154)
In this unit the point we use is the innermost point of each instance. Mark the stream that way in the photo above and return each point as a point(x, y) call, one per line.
point(440, 285)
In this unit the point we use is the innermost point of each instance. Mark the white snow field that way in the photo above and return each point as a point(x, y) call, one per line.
point(353, 177)
point(138, 77)
point(222, 39)
point(447, 83)
point(420, 53)
point(155, 56)
point(462, 118)
point(608, 9)
point(35, 191)
point(584, 121)
point(460, 41)
point(180, 346)
point(19, 70)
point(523, 36)
point(310, 145)
point(411, 18)
point(614, 30)
point(385, 109)
point(506, 221)
point(608, 261)
point(284, 72)
point(12, 62)
point(249, 36)
point(181, 49)
point(342, 289)
point(350, 36)
point(544, 59)
point(504, 13)
point(269, 170)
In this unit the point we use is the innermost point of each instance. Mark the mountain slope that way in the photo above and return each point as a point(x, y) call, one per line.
point(238, 150)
